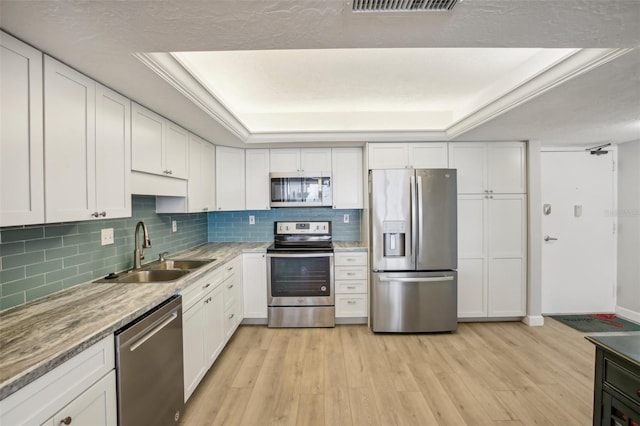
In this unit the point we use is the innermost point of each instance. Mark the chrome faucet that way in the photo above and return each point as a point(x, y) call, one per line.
point(138, 253)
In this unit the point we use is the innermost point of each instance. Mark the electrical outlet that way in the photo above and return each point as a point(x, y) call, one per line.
point(174, 226)
point(252, 220)
point(346, 218)
point(106, 236)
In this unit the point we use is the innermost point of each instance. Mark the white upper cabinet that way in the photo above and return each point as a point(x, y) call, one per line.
point(489, 167)
point(201, 175)
point(423, 155)
point(347, 178)
point(158, 146)
point(257, 179)
point(300, 160)
point(113, 153)
point(21, 134)
point(230, 178)
point(70, 157)
point(87, 147)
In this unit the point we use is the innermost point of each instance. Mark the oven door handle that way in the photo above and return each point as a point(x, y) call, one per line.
point(299, 254)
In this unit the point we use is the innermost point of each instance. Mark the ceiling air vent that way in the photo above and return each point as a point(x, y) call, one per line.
point(403, 5)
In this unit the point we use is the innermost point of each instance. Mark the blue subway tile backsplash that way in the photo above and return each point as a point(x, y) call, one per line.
point(234, 226)
point(38, 260)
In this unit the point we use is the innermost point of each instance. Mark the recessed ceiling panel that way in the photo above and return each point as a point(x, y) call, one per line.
point(409, 89)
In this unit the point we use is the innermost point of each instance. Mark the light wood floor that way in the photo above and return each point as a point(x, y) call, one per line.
point(484, 374)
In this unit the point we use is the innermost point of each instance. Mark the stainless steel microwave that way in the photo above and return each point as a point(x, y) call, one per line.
point(300, 189)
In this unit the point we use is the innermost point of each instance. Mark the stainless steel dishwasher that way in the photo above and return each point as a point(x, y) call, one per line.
point(149, 367)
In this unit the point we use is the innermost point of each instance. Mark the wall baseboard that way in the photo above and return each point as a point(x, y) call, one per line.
point(533, 320)
point(628, 314)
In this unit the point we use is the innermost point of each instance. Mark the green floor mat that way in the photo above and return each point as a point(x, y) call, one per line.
point(595, 323)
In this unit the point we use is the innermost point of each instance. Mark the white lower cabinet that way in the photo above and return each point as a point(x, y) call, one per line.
point(492, 239)
point(206, 323)
point(82, 389)
point(351, 286)
point(254, 285)
point(96, 406)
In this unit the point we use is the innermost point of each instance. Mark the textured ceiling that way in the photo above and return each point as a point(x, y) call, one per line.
point(98, 37)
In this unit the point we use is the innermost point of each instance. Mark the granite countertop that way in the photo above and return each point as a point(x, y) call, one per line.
point(37, 337)
point(626, 346)
point(350, 246)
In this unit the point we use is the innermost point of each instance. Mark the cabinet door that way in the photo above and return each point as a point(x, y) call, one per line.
point(230, 187)
point(506, 169)
point(284, 160)
point(315, 160)
point(254, 283)
point(95, 406)
point(193, 348)
point(347, 178)
point(432, 155)
point(472, 270)
point(208, 180)
point(176, 161)
point(388, 155)
point(21, 137)
point(506, 237)
point(257, 179)
point(113, 153)
point(214, 338)
point(470, 160)
point(69, 112)
point(147, 133)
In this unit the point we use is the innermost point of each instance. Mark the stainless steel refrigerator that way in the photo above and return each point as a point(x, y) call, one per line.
point(413, 223)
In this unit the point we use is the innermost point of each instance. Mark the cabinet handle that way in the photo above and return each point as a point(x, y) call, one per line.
point(170, 172)
point(350, 259)
point(67, 420)
point(231, 316)
point(94, 214)
point(206, 285)
point(351, 273)
point(230, 286)
point(205, 208)
point(351, 287)
point(351, 302)
point(219, 208)
point(491, 191)
point(103, 214)
point(230, 268)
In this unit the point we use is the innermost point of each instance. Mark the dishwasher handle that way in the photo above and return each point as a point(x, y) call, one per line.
point(173, 315)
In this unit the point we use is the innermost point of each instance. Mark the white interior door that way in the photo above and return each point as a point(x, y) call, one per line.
point(578, 266)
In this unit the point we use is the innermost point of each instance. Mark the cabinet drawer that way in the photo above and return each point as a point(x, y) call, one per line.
point(351, 305)
point(622, 379)
point(351, 273)
point(230, 289)
point(356, 286)
point(198, 289)
point(231, 320)
point(350, 259)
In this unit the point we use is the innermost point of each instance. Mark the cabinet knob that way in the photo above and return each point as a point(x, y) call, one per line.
point(206, 285)
point(486, 191)
point(231, 316)
point(103, 214)
point(67, 420)
point(170, 172)
point(205, 208)
point(94, 214)
point(491, 191)
point(230, 286)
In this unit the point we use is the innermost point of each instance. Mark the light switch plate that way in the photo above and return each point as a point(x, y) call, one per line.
point(346, 218)
point(106, 236)
point(174, 226)
point(252, 220)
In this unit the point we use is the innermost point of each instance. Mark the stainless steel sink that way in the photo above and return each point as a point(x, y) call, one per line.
point(171, 264)
point(150, 276)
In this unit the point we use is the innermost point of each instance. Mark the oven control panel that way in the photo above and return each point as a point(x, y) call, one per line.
point(293, 228)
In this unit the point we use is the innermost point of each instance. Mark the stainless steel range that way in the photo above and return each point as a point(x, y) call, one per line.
point(300, 275)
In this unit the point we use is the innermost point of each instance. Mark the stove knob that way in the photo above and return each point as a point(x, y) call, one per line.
point(323, 288)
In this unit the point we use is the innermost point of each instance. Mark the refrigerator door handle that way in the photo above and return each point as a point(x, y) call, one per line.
point(417, 280)
point(420, 221)
point(414, 218)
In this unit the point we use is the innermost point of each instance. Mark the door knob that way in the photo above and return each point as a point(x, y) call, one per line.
point(548, 238)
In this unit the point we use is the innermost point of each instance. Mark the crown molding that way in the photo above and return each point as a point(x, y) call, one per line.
point(169, 69)
point(581, 61)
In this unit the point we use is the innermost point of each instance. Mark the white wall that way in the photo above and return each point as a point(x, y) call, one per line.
point(628, 212)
